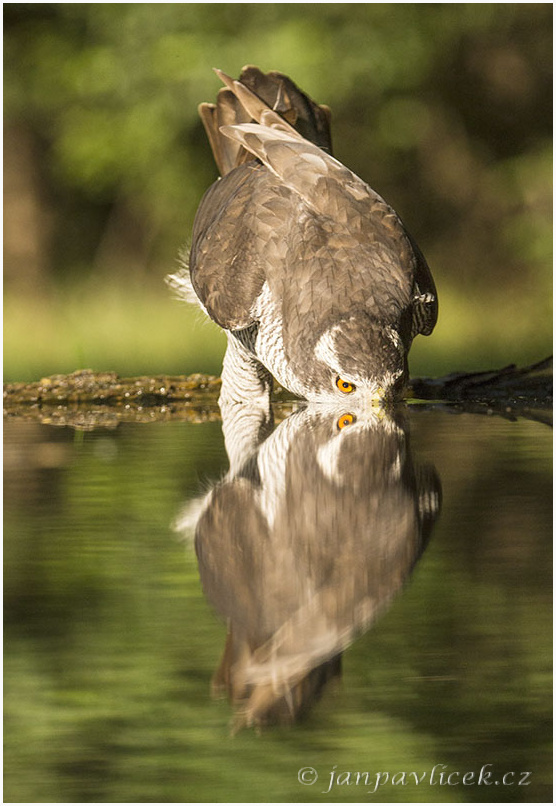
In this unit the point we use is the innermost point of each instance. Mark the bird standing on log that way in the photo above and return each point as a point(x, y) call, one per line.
point(311, 273)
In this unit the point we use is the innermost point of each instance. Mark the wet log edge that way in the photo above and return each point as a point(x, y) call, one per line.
point(87, 399)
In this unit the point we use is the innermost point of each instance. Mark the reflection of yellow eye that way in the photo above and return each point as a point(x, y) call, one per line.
point(345, 386)
point(345, 420)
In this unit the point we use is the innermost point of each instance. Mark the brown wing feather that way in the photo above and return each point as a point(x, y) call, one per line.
point(239, 240)
point(425, 298)
point(242, 217)
point(247, 99)
point(251, 226)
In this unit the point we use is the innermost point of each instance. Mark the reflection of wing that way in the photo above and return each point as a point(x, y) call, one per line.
point(303, 548)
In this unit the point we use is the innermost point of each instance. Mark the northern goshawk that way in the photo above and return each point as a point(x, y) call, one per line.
point(311, 274)
point(304, 544)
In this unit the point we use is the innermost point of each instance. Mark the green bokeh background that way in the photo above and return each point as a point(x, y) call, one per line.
point(445, 109)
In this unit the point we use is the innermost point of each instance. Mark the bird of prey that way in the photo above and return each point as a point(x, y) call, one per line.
point(304, 544)
point(312, 275)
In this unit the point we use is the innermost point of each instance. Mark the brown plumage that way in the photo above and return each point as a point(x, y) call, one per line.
point(310, 272)
point(303, 546)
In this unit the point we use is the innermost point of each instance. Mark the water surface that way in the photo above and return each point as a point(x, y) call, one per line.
point(363, 597)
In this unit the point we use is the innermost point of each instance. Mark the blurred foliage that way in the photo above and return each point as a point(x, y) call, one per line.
point(110, 645)
point(444, 108)
point(129, 328)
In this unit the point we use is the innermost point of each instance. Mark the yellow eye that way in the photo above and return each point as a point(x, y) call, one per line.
point(345, 420)
point(345, 386)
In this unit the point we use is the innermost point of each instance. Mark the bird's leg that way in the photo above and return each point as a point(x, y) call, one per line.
point(245, 403)
point(247, 419)
point(244, 379)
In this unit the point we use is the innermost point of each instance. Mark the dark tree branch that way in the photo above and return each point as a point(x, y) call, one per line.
point(511, 391)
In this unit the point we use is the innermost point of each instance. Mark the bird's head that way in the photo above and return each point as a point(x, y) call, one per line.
point(362, 361)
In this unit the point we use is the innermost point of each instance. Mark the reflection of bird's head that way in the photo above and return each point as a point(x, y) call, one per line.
point(364, 361)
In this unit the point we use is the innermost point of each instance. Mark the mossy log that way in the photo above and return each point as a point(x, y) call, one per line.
point(86, 399)
point(511, 391)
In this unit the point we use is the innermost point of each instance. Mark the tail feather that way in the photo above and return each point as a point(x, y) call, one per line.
point(261, 97)
point(228, 110)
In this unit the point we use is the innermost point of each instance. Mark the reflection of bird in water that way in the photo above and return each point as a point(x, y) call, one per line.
point(302, 545)
point(310, 272)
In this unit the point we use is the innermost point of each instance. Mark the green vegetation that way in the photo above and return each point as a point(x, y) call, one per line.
point(444, 108)
point(128, 329)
